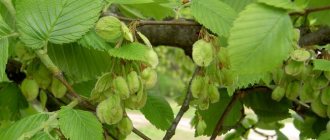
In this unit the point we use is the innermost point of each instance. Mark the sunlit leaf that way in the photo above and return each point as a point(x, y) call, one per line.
point(55, 21)
point(260, 39)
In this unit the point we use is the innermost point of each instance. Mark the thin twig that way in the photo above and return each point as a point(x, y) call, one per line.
point(238, 123)
point(230, 105)
point(140, 134)
point(108, 134)
point(310, 10)
point(10, 35)
point(263, 134)
point(85, 103)
point(185, 106)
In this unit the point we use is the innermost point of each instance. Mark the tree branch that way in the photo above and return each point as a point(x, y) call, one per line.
point(183, 33)
point(220, 122)
point(182, 22)
point(185, 106)
point(172, 35)
point(108, 134)
point(310, 10)
point(238, 94)
point(263, 134)
point(140, 134)
point(319, 37)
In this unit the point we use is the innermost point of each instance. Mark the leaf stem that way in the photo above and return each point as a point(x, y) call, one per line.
point(185, 106)
point(220, 122)
point(73, 103)
point(10, 35)
point(140, 134)
point(45, 59)
point(267, 136)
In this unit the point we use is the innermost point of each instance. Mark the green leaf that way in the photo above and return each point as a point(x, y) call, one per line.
point(147, 10)
point(267, 109)
point(11, 101)
point(92, 41)
point(23, 126)
point(214, 15)
point(130, 1)
point(246, 80)
point(212, 115)
point(4, 45)
point(5, 30)
point(281, 136)
point(6, 15)
point(322, 17)
point(55, 21)
point(79, 125)
point(324, 136)
point(238, 5)
point(41, 136)
point(158, 111)
point(260, 39)
point(321, 64)
point(79, 63)
point(85, 88)
point(284, 4)
point(311, 126)
point(269, 125)
point(135, 51)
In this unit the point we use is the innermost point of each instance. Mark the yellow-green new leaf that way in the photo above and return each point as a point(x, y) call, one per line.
point(260, 39)
point(55, 21)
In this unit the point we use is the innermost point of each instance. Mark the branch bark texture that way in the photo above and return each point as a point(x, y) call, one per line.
point(185, 106)
point(319, 37)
